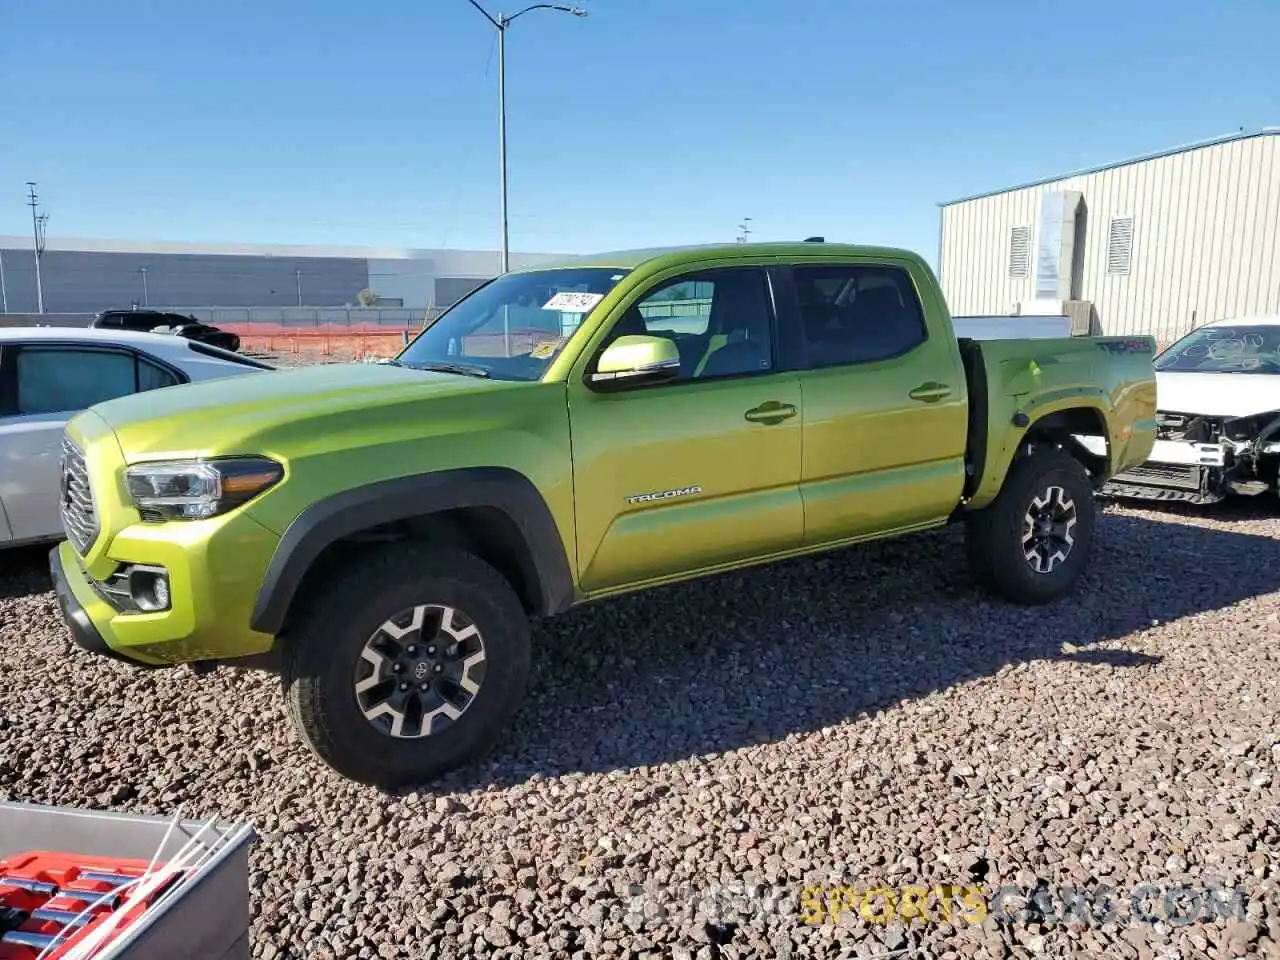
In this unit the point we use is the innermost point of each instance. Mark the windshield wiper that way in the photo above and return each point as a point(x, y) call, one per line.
point(466, 369)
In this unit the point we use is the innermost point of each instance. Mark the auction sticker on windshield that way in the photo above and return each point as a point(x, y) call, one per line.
point(572, 301)
point(546, 348)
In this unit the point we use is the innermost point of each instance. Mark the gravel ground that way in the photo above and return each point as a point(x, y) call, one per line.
point(689, 761)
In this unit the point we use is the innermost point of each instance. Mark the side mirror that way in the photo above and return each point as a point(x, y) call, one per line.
point(636, 361)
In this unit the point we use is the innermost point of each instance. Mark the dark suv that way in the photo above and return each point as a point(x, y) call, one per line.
point(144, 321)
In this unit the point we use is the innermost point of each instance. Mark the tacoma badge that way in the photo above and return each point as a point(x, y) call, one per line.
point(664, 494)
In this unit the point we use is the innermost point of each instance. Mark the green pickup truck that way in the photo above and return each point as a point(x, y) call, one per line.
point(384, 534)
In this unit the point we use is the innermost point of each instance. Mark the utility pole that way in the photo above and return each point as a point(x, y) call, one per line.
point(146, 298)
point(744, 230)
point(298, 274)
point(38, 221)
point(4, 296)
point(500, 23)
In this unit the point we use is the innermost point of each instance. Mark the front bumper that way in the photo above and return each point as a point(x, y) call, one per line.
point(212, 583)
point(1199, 473)
point(85, 635)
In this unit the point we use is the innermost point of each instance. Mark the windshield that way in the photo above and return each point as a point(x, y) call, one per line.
point(1246, 349)
point(514, 326)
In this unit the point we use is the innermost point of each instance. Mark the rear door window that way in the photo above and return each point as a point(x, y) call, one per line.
point(855, 313)
point(61, 379)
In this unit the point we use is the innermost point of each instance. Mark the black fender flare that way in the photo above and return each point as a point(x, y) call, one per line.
point(402, 498)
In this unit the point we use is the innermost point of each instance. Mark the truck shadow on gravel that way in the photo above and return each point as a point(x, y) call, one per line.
point(751, 658)
point(745, 659)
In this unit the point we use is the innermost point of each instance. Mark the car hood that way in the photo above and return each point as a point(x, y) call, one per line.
point(257, 411)
point(1218, 394)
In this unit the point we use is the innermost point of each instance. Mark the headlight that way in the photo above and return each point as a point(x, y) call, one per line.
point(196, 489)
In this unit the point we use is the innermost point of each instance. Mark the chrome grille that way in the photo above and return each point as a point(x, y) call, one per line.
point(79, 518)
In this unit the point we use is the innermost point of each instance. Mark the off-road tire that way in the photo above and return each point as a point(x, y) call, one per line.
point(994, 535)
point(327, 639)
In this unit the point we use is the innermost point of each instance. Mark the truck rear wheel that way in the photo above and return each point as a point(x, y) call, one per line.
point(407, 666)
point(1032, 543)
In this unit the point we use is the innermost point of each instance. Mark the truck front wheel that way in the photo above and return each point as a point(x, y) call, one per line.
point(1033, 542)
point(408, 665)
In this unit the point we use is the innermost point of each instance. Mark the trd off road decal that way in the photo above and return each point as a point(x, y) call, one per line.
point(1136, 345)
point(664, 494)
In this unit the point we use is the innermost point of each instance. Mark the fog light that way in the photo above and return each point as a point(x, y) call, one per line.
point(160, 590)
point(149, 587)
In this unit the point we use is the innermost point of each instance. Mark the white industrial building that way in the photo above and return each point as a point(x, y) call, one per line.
point(1156, 244)
point(86, 275)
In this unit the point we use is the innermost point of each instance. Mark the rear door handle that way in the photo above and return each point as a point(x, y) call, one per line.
point(930, 392)
point(770, 412)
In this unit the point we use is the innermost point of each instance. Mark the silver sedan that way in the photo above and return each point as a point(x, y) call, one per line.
point(48, 374)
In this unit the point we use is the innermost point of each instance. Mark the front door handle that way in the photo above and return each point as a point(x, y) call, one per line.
point(770, 412)
point(930, 392)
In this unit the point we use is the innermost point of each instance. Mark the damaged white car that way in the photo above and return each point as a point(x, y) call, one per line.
point(1218, 400)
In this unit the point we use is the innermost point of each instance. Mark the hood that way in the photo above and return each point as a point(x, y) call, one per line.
point(213, 417)
point(1218, 394)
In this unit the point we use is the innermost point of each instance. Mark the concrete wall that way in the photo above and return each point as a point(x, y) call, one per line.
point(1205, 239)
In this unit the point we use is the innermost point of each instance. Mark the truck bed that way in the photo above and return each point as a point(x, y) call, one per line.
point(1086, 384)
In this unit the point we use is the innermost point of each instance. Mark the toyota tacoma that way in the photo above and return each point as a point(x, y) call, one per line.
point(385, 535)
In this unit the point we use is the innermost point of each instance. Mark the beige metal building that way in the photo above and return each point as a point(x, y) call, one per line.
point(1155, 245)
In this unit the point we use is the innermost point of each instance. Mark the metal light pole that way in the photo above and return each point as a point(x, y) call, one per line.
point(4, 295)
point(37, 229)
point(298, 274)
point(500, 23)
point(146, 297)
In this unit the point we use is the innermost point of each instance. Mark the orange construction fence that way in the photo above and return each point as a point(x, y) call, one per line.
point(340, 341)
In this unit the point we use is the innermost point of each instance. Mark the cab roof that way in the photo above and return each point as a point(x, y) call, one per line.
point(692, 253)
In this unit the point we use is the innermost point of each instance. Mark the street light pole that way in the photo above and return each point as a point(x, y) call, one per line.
point(146, 297)
point(502, 134)
point(500, 23)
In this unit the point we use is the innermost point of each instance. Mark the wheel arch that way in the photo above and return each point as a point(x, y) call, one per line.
point(1058, 424)
point(495, 512)
point(1063, 426)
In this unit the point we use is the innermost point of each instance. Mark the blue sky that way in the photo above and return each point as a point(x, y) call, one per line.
point(648, 122)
